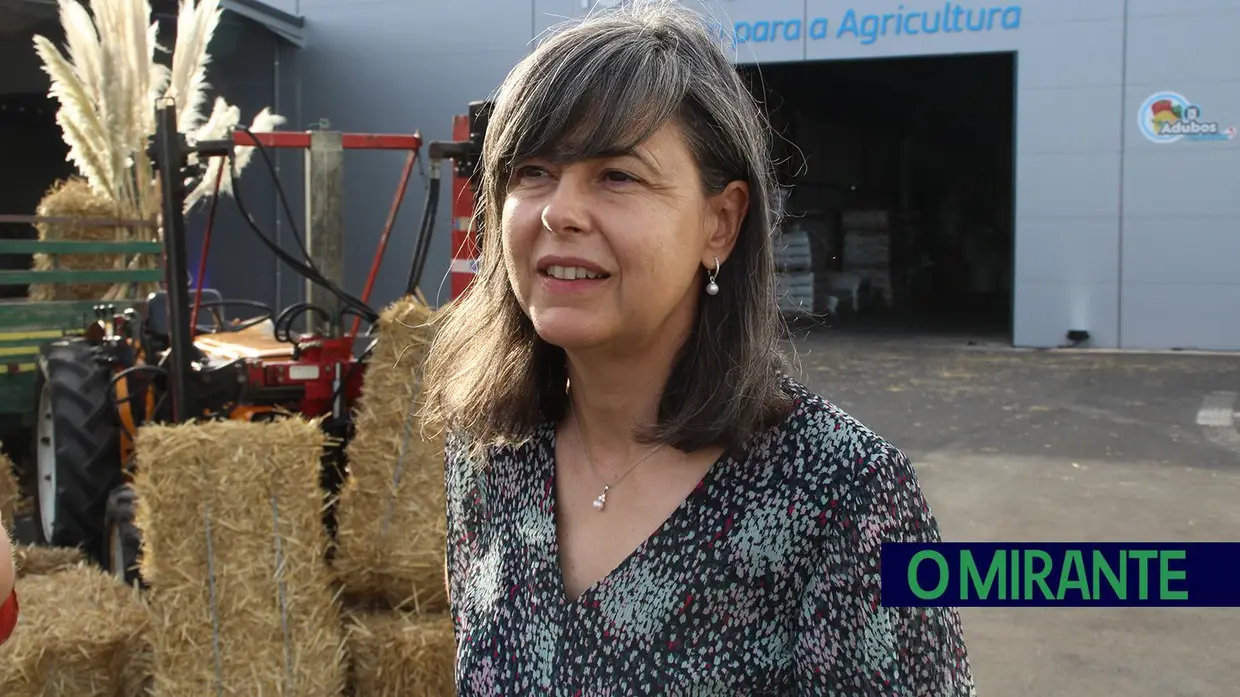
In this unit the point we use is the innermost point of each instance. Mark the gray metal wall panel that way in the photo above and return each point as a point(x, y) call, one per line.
point(1069, 71)
point(1183, 46)
point(1181, 288)
point(548, 13)
point(1042, 135)
point(397, 65)
point(1068, 250)
point(243, 72)
point(1153, 8)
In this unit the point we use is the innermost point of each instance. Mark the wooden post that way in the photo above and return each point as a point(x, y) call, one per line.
point(325, 224)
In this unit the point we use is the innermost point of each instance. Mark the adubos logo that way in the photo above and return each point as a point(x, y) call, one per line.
point(1166, 117)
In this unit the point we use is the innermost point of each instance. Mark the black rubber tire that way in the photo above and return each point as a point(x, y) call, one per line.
point(122, 539)
point(87, 448)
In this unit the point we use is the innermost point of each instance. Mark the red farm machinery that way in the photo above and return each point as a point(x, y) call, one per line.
point(182, 355)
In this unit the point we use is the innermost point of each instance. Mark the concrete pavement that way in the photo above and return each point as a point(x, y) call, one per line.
point(1025, 445)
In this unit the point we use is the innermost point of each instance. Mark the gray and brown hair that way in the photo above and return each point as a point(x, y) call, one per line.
point(600, 86)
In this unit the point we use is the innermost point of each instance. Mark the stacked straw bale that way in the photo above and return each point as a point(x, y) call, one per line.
point(234, 554)
point(391, 526)
point(37, 560)
point(82, 633)
point(400, 655)
point(10, 492)
point(73, 198)
point(391, 531)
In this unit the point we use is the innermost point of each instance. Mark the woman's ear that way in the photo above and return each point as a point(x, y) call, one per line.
point(727, 212)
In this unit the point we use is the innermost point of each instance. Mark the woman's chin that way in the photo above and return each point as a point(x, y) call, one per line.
point(575, 332)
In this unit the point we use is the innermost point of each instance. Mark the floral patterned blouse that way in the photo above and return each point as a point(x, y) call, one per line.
point(764, 581)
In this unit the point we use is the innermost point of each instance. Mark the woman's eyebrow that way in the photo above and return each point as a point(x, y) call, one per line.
point(560, 157)
point(639, 155)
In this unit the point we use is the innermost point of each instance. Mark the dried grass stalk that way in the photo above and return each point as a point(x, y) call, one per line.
point(401, 655)
point(81, 633)
point(37, 560)
point(391, 520)
point(74, 198)
point(10, 492)
point(239, 504)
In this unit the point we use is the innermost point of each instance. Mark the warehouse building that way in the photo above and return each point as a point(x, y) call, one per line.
point(1045, 174)
point(1037, 169)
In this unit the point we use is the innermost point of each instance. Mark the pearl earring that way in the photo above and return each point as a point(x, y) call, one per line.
point(712, 288)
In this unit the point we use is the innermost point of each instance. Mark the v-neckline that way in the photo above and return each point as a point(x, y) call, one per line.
point(638, 552)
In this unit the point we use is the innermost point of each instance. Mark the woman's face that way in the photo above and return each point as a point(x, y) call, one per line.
point(609, 253)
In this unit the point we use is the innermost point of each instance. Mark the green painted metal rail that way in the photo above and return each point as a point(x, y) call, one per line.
point(14, 278)
point(26, 325)
point(20, 315)
point(75, 247)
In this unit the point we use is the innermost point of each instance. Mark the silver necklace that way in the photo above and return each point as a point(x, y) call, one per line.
point(601, 501)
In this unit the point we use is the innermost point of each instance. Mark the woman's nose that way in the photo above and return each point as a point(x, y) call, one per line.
point(567, 209)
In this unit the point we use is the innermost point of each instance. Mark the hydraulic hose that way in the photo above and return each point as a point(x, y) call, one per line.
point(426, 229)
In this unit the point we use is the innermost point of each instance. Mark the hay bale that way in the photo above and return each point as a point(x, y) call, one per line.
point(37, 560)
point(233, 550)
point(401, 655)
point(391, 531)
point(73, 198)
point(10, 492)
point(81, 632)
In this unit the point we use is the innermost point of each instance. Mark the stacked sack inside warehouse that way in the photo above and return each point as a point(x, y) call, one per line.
point(244, 590)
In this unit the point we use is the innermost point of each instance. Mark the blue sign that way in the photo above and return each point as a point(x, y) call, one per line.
point(868, 28)
point(1063, 574)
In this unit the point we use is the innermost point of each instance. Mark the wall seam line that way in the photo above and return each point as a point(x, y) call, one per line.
point(1123, 147)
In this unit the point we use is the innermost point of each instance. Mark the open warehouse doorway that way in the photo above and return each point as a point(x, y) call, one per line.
point(898, 176)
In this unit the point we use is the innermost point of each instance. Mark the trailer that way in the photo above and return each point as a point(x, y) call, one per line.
point(40, 365)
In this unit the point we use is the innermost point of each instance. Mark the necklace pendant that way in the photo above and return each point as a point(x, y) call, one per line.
point(601, 501)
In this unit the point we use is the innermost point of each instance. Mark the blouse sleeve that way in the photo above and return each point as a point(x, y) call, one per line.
point(461, 499)
point(846, 639)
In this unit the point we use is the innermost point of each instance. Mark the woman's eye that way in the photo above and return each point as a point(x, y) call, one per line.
point(617, 177)
point(527, 172)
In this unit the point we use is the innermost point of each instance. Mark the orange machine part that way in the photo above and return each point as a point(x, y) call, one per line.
point(249, 412)
point(464, 242)
point(124, 411)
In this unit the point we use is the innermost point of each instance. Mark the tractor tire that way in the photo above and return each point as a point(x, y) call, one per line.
point(123, 540)
point(77, 455)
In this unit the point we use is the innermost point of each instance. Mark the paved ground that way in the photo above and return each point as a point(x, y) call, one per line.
point(1062, 446)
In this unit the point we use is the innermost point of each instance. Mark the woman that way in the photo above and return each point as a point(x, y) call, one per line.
point(8, 595)
point(639, 501)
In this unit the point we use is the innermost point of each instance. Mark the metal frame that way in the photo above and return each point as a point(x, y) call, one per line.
point(325, 224)
point(171, 151)
point(324, 191)
point(469, 131)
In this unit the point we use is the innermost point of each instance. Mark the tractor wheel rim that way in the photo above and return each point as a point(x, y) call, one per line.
point(45, 465)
